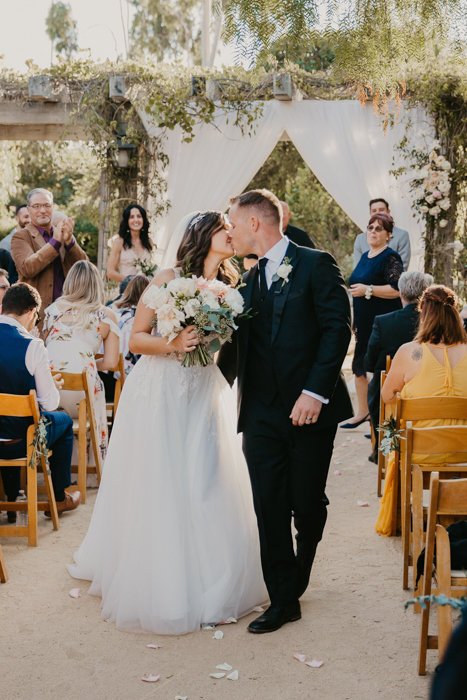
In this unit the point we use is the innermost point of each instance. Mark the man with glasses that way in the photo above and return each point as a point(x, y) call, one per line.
point(43, 254)
point(24, 366)
point(4, 284)
point(400, 241)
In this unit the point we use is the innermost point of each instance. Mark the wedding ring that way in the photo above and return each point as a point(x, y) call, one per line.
point(308, 419)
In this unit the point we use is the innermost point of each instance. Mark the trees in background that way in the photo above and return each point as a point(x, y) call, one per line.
point(62, 30)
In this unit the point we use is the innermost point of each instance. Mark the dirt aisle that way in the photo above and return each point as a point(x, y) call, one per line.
point(53, 646)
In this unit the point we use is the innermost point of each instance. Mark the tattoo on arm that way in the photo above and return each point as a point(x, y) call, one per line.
point(417, 354)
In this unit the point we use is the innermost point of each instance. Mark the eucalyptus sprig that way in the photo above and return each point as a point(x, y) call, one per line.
point(391, 436)
point(39, 445)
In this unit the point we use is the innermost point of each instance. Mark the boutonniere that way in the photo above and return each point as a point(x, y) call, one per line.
point(283, 271)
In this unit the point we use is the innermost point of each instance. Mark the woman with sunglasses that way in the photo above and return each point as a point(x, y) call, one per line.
point(374, 287)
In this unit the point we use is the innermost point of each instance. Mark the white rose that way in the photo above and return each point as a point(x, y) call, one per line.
point(423, 209)
point(191, 308)
point(155, 296)
point(446, 165)
point(183, 285)
point(434, 211)
point(437, 194)
point(444, 187)
point(442, 223)
point(234, 300)
point(283, 271)
point(445, 204)
point(429, 199)
point(209, 299)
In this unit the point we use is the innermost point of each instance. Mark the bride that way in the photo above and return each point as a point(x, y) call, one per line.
point(172, 542)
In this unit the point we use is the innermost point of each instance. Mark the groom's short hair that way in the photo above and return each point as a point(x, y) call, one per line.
point(263, 200)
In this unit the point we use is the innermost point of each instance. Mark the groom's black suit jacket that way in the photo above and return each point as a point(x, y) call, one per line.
point(309, 336)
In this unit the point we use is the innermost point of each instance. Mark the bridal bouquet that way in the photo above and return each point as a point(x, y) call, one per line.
point(209, 305)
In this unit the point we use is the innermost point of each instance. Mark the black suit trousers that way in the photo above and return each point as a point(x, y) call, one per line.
point(288, 470)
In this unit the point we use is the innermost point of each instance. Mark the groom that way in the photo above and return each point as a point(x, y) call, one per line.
point(287, 359)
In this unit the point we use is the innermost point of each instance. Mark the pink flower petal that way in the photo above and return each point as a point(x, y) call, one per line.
point(75, 593)
point(150, 678)
point(153, 646)
point(314, 663)
point(300, 657)
point(337, 472)
point(233, 676)
point(363, 504)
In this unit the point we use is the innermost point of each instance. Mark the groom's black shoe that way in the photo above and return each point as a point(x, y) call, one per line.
point(275, 617)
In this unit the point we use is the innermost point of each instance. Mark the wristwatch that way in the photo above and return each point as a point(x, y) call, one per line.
point(369, 292)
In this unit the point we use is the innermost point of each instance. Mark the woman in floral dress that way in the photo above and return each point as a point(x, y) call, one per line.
point(76, 327)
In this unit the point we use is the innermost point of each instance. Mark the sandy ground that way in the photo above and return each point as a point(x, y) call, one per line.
point(53, 646)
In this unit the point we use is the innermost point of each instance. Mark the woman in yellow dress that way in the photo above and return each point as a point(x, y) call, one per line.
point(433, 364)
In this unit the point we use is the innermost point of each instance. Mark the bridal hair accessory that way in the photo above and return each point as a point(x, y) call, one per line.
point(283, 271)
point(196, 219)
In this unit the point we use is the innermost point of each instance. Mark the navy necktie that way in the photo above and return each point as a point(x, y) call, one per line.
point(263, 285)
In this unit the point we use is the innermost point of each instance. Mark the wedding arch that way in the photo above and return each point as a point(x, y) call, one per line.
point(341, 141)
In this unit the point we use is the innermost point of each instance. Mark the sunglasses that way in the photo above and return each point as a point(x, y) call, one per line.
point(377, 229)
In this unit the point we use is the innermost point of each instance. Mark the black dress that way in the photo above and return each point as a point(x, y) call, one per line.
point(384, 268)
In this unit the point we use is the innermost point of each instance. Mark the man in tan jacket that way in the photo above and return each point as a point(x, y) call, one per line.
point(43, 254)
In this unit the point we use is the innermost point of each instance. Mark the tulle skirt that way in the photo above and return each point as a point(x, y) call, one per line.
point(173, 542)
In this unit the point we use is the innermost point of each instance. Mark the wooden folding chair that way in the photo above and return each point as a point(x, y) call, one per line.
point(408, 411)
point(448, 503)
point(111, 406)
point(84, 427)
point(3, 569)
point(384, 412)
point(15, 406)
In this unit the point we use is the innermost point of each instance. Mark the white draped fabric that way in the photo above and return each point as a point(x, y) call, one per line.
point(342, 142)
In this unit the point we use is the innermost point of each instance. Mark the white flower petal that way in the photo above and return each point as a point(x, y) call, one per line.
point(208, 627)
point(300, 657)
point(363, 504)
point(75, 593)
point(224, 667)
point(314, 663)
point(153, 646)
point(150, 678)
point(233, 676)
point(217, 675)
point(259, 608)
point(218, 634)
point(229, 621)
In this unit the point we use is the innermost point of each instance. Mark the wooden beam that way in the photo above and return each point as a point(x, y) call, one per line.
point(36, 121)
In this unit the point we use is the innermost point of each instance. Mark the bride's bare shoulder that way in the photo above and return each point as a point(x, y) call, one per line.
point(162, 277)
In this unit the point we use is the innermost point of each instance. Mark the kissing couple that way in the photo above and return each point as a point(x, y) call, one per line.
point(173, 543)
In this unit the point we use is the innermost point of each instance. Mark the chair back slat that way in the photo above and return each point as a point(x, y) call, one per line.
point(445, 439)
point(72, 381)
point(452, 497)
point(431, 408)
point(18, 406)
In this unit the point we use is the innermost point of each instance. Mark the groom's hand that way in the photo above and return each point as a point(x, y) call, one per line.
point(306, 410)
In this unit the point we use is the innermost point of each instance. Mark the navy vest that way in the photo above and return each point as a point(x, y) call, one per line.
point(260, 375)
point(14, 376)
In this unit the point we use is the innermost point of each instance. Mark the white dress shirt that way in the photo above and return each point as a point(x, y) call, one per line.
point(275, 256)
point(37, 364)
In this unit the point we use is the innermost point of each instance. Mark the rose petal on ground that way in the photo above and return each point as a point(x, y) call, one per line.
point(300, 657)
point(224, 667)
point(233, 676)
point(153, 646)
point(259, 608)
point(150, 678)
point(217, 675)
point(230, 620)
point(208, 627)
point(218, 634)
point(337, 472)
point(314, 663)
point(363, 504)
point(181, 697)
point(75, 593)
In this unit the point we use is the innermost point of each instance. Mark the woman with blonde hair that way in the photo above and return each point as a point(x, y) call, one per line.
point(433, 364)
point(76, 326)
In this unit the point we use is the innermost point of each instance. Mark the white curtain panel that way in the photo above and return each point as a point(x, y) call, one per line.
point(343, 143)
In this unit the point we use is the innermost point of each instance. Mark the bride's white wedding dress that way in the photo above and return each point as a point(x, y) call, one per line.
point(173, 540)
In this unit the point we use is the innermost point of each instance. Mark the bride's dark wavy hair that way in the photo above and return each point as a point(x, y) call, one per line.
point(124, 229)
point(195, 245)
